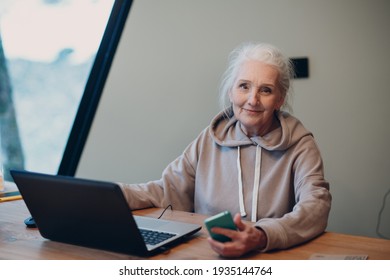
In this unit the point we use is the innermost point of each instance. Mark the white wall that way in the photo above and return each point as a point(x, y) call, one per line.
point(162, 90)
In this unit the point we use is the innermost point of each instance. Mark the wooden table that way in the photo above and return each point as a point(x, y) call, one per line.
point(19, 242)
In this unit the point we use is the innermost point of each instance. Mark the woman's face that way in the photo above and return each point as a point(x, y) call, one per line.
point(255, 96)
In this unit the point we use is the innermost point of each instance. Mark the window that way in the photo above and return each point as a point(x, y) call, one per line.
point(47, 50)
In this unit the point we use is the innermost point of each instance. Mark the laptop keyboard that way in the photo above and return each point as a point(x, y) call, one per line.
point(152, 237)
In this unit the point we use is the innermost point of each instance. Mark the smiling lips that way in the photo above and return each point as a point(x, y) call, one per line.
point(251, 111)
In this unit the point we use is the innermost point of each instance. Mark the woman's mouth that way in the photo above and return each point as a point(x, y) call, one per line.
point(251, 111)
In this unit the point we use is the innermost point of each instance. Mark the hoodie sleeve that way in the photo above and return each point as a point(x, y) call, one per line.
point(309, 215)
point(176, 186)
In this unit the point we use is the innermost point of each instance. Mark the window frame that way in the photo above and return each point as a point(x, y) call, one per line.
point(94, 88)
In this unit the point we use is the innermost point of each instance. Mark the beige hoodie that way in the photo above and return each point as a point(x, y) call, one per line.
point(276, 180)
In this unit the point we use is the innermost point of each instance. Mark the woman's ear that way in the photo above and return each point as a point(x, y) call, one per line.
point(280, 103)
point(230, 96)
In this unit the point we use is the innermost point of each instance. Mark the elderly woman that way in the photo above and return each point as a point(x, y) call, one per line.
point(253, 160)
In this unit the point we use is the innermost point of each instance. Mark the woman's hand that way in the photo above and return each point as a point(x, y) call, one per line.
point(246, 239)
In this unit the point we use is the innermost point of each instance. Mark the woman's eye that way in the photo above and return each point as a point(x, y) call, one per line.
point(243, 86)
point(266, 90)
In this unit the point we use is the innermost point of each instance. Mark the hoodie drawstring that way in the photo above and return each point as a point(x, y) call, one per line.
point(240, 190)
point(256, 184)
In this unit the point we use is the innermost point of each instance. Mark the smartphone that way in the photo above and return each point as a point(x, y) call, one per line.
point(223, 220)
point(7, 196)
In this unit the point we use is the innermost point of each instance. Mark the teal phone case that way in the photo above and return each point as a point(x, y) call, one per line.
point(223, 220)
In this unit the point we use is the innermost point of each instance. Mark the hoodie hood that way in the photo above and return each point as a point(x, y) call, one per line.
point(226, 131)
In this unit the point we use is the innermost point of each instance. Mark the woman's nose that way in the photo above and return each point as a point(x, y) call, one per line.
point(253, 98)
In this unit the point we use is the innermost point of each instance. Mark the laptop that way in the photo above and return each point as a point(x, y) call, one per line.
point(94, 214)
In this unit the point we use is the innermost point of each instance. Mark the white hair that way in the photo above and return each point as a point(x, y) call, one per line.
point(258, 52)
